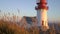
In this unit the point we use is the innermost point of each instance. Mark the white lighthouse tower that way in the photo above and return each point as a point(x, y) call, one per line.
point(42, 14)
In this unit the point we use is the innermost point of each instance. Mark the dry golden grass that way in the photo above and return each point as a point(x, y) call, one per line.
point(12, 28)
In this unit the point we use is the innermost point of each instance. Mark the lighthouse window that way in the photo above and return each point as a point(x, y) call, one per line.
point(42, 22)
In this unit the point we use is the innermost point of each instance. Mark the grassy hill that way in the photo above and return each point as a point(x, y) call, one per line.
point(12, 28)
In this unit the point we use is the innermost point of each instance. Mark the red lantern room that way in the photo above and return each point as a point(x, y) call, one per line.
point(41, 4)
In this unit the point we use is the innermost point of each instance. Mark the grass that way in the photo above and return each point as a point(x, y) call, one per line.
point(12, 28)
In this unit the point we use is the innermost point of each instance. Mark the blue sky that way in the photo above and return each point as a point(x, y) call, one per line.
point(27, 8)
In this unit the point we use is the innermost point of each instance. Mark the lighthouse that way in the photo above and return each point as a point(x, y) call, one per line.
point(42, 14)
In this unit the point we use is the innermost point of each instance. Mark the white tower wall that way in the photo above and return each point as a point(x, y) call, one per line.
point(42, 19)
